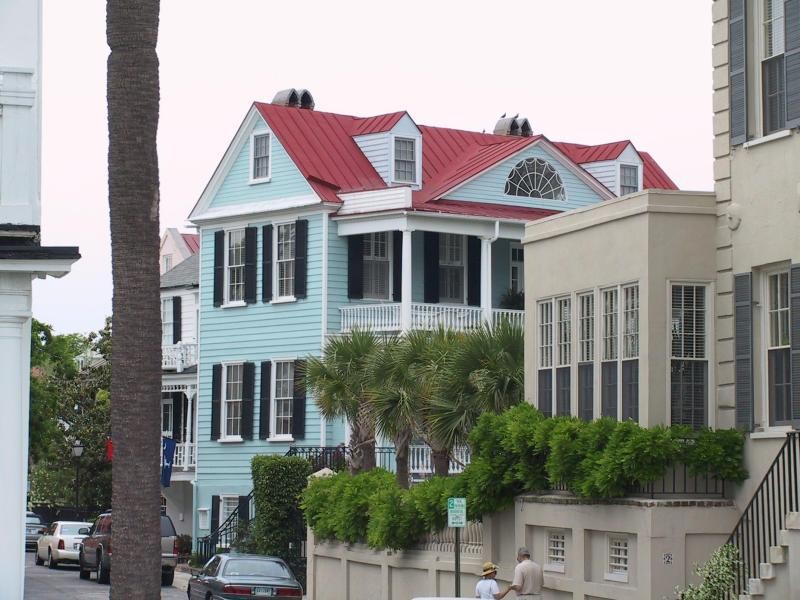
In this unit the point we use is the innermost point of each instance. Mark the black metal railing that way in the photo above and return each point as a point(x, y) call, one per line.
point(227, 535)
point(761, 522)
point(336, 458)
point(680, 481)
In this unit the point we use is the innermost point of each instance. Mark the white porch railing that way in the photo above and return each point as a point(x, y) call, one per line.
point(420, 464)
point(179, 356)
point(386, 316)
point(185, 458)
point(445, 541)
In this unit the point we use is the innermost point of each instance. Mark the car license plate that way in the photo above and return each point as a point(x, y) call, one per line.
point(262, 591)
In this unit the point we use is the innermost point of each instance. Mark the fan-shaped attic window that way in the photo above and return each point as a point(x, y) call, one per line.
point(535, 178)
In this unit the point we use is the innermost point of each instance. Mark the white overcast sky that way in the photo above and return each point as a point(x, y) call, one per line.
point(583, 71)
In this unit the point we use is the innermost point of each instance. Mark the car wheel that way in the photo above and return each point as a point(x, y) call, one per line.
point(103, 575)
point(83, 572)
point(167, 577)
point(51, 562)
point(39, 561)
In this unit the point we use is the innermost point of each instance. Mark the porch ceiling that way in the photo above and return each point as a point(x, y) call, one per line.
point(442, 223)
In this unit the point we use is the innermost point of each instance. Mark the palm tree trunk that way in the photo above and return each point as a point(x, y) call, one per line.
point(362, 447)
point(440, 457)
point(133, 97)
point(401, 445)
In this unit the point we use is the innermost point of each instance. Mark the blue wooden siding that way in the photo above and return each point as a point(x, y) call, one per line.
point(286, 180)
point(337, 276)
point(375, 147)
point(490, 186)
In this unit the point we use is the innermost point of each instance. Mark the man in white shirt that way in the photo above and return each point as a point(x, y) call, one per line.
point(528, 578)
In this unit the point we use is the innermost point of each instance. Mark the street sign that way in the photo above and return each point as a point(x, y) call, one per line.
point(456, 512)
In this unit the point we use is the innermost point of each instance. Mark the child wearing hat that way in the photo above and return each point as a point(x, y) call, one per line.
point(487, 588)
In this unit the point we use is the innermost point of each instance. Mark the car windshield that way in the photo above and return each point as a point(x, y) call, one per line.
point(167, 529)
point(33, 520)
point(255, 568)
point(72, 528)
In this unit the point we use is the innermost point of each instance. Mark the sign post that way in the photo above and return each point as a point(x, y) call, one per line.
point(457, 518)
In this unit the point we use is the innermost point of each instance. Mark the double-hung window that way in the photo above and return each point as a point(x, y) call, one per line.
point(772, 66)
point(517, 268)
point(608, 368)
point(405, 162)
point(167, 411)
point(689, 356)
point(779, 374)
point(556, 552)
point(285, 255)
point(545, 370)
point(628, 179)
point(234, 265)
point(260, 151)
point(284, 397)
point(166, 263)
point(630, 353)
point(166, 322)
point(377, 266)
point(618, 558)
point(233, 387)
point(563, 354)
point(451, 268)
point(619, 367)
point(586, 356)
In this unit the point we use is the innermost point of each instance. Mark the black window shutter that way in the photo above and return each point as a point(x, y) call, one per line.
point(216, 400)
point(214, 513)
point(244, 510)
point(301, 257)
point(791, 61)
point(431, 262)
point(266, 263)
point(586, 391)
point(608, 387)
point(219, 267)
point(248, 394)
point(743, 332)
point(473, 271)
point(250, 253)
point(794, 327)
point(545, 392)
point(737, 64)
point(266, 388)
point(177, 416)
point(355, 267)
point(397, 265)
point(176, 319)
point(630, 390)
point(299, 403)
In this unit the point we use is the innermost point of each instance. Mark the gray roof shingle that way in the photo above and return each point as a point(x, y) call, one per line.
point(184, 274)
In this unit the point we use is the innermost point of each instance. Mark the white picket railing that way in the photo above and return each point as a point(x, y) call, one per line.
point(179, 356)
point(445, 541)
point(514, 316)
point(386, 316)
point(375, 317)
point(185, 456)
point(420, 463)
point(449, 316)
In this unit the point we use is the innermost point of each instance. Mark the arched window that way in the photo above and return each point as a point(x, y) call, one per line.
point(535, 178)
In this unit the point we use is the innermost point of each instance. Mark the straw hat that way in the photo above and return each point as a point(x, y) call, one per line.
point(488, 568)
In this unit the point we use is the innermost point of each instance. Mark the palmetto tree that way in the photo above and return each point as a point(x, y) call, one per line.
point(133, 97)
point(341, 383)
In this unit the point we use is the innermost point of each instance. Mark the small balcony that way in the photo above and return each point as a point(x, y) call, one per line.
point(387, 316)
point(179, 357)
point(185, 457)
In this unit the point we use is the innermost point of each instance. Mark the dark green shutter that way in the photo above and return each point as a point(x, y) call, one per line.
point(473, 271)
point(214, 513)
point(250, 254)
point(216, 400)
point(301, 258)
point(299, 401)
point(431, 262)
point(219, 267)
point(176, 319)
point(737, 65)
point(397, 265)
point(248, 394)
point(265, 397)
point(355, 267)
point(266, 263)
point(794, 326)
point(177, 416)
point(743, 332)
point(791, 61)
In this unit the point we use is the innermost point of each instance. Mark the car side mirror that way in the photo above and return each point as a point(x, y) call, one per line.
point(83, 531)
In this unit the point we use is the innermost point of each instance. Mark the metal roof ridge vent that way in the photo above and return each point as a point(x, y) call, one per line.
point(525, 129)
point(306, 100)
point(288, 97)
point(513, 126)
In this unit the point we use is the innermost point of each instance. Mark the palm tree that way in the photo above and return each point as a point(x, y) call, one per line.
point(341, 384)
point(133, 96)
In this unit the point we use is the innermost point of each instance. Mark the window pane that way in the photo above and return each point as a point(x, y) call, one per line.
point(285, 261)
point(376, 266)
point(688, 321)
point(284, 395)
point(631, 320)
point(260, 156)
point(774, 95)
point(780, 385)
point(610, 331)
point(405, 165)
point(778, 290)
point(586, 391)
point(608, 384)
point(629, 179)
point(545, 392)
point(586, 327)
point(546, 334)
point(689, 392)
point(564, 316)
point(563, 391)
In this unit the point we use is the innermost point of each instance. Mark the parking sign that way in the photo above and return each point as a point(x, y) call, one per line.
point(456, 512)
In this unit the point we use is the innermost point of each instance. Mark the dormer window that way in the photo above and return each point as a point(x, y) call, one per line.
point(628, 179)
point(535, 178)
point(260, 151)
point(405, 160)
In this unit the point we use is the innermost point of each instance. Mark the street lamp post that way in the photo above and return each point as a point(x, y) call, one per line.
point(77, 451)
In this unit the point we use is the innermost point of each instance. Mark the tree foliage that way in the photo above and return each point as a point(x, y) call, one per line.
point(718, 575)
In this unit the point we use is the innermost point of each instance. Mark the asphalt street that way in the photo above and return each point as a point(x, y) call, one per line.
point(63, 583)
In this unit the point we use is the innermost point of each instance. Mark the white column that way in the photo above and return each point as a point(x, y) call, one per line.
point(15, 352)
point(188, 455)
point(486, 279)
point(405, 289)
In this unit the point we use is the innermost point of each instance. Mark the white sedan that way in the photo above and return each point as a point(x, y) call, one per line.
point(60, 542)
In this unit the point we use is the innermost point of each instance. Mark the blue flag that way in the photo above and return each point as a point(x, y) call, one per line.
point(167, 456)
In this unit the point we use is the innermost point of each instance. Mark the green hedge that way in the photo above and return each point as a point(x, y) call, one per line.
point(515, 452)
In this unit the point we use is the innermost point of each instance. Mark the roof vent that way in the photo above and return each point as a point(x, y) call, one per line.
point(287, 98)
point(524, 127)
point(513, 126)
point(306, 99)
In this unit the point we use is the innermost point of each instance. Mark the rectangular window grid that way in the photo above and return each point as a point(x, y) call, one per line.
point(630, 348)
point(166, 417)
point(233, 400)
point(773, 28)
point(689, 321)
point(517, 269)
point(586, 327)
point(261, 156)
point(629, 179)
point(779, 310)
point(546, 334)
point(564, 322)
point(228, 506)
point(779, 375)
point(376, 265)
point(451, 268)
point(774, 94)
point(556, 550)
point(166, 321)
point(285, 259)
point(405, 164)
point(618, 555)
point(610, 325)
point(235, 267)
point(284, 396)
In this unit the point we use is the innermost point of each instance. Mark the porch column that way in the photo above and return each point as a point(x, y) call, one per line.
point(188, 454)
point(486, 279)
point(405, 289)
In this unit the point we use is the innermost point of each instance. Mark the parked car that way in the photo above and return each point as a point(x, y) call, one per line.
point(60, 542)
point(95, 552)
point(33, 529)
point(244, 577)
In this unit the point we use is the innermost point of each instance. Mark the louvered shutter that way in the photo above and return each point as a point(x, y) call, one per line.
point(791, 61)
point(214, 513)
point(743, 332)
point(301, 258)
point(250, 254)
point(397, 265)
point(177, 416)
point(176, 319)
point(244, 511)
point(794, 325)
point(299, 401)
point(473, 271)
point(216, 400)
point(219, 267)
point(355, 267)
point(737, 64)
point(264, 406)
point(248, 394)
point(266, 263)
point(431, 262)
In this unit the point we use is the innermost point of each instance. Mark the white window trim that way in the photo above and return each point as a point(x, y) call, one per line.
point(417, 156)
point(171, 404)
point(222, 498)
point(225, 272)
point(224, 405)
point(167, 320)
point(276, 298)
point(390, 260)
point(549, 566)
point(463, 302)
point(710, 346)
point(256, 180)
point(639, 176)
point(273, 437)
point(616, 576)
point(204, 518)
point(512, 263)
point(763, 343)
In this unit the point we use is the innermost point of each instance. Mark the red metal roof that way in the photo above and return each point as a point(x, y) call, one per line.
point(377, 124)
point(654, 176)
point(581, 153)
point(192, 241)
